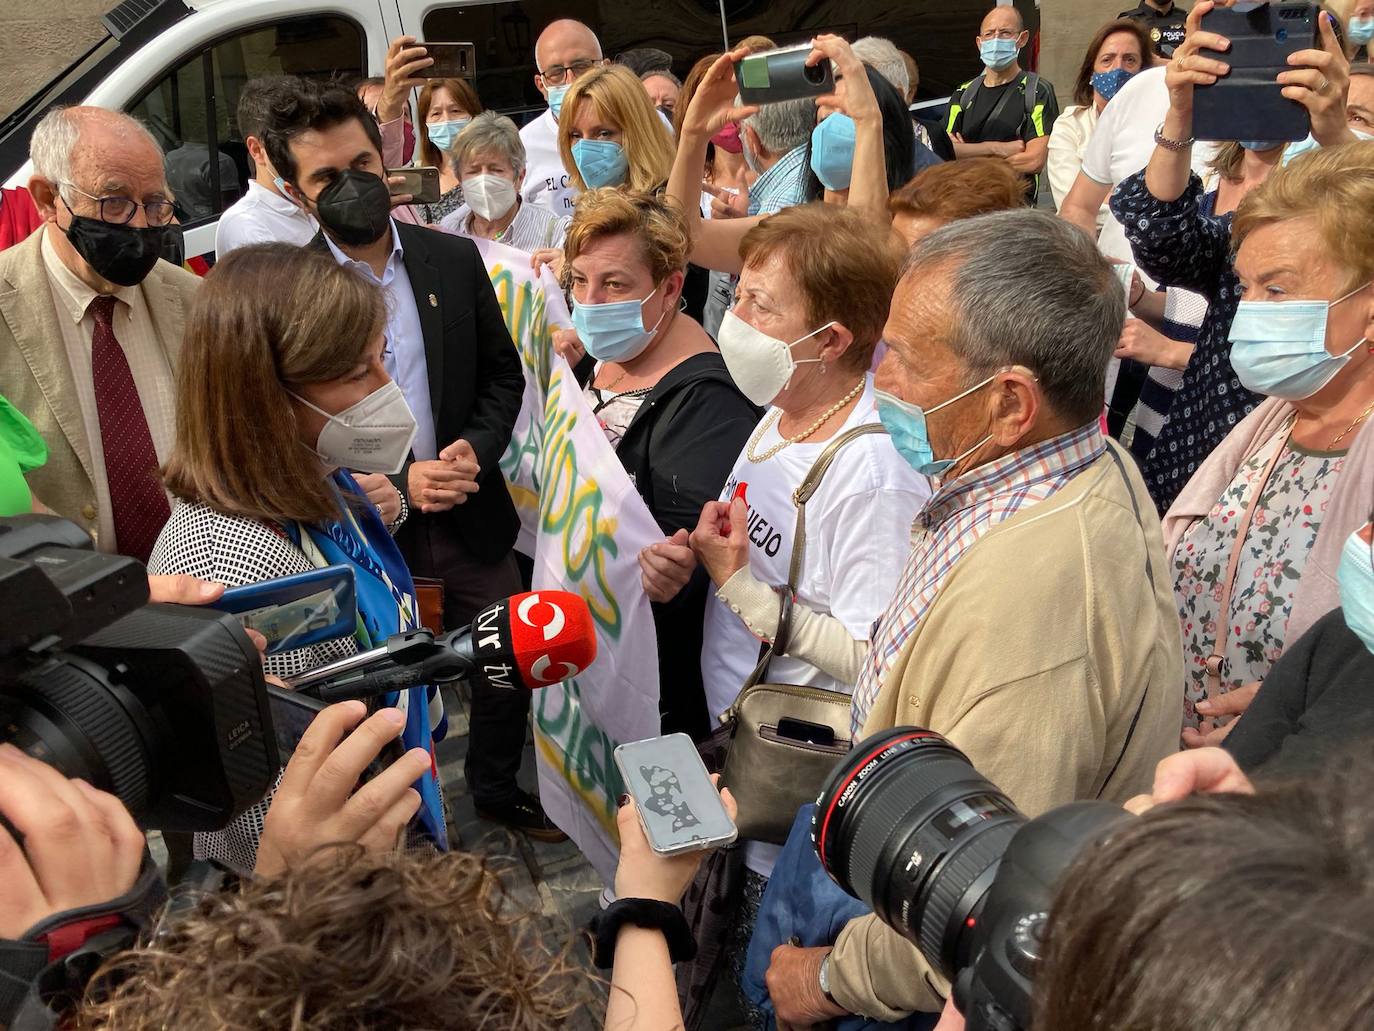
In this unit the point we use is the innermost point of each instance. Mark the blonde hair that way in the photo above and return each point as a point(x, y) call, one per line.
point(1332, 185)
point(619, 98)
point(652, 218)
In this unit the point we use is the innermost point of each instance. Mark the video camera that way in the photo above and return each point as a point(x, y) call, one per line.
point(163, 706)
point(908, 826)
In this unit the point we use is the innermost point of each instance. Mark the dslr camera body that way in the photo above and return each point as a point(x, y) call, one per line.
point(908, 826)
point(163, 706)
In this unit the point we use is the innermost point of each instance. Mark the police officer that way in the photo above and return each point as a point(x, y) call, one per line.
point(1164, 23)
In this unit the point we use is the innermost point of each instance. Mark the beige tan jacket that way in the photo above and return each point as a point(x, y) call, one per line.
point(1034, 659)
point(37, 378)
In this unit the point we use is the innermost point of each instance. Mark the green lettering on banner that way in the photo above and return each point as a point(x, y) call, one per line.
point(580, 750)
point(570, 508)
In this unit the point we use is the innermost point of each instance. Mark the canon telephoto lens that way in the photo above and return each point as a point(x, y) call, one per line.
point(907, 825)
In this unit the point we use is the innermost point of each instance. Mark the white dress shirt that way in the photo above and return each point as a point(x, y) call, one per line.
point(152, 372)
point(405, 355)
point(262, 216)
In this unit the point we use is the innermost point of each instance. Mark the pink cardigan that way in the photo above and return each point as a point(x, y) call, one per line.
point(1348, 510)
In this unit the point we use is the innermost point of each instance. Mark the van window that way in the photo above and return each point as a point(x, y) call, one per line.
point(193, 110)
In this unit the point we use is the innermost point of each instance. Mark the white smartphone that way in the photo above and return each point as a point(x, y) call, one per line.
point(679, 808)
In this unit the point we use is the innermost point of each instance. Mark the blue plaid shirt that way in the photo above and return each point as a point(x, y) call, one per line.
point(782, 186)
point(951, 522)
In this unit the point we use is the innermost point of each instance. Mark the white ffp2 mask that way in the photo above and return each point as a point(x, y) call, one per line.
point(490, 196)
point(372, 436)
point(760, 365)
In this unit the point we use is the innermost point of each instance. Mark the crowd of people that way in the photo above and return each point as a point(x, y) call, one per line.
point(1047, 431)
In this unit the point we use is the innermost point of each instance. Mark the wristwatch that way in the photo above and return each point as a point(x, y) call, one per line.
point(1168, 144)
point(823, 976)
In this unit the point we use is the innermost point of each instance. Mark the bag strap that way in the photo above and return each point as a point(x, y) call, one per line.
point(800, 497)
point(1216, 662)
point(1032, 87)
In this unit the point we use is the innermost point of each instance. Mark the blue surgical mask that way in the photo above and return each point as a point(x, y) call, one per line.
point(614, 331)
point(600, 162)
point(1260, 146)
point(556, 95)
point(832, 151)
point(280, 184)
point(906, 425)
point(1108, 84)
point(1278, 348)
point(1360, 31)
point(1355, 575)
point(998, 53)
point(442, 134)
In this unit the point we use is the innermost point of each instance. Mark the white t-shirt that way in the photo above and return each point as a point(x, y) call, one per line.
point(1123, 141)
point(546, 180)
point(858, 534)
point(261, 216)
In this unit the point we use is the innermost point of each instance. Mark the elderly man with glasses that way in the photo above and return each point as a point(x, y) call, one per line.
point(91, 320)
point(564, 51)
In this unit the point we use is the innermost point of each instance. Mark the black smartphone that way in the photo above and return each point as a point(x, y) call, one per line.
point(292, 712)
point(451, 61)
point(778, 75)
point(1248, 103)
point(805, 730)
point(421, 183)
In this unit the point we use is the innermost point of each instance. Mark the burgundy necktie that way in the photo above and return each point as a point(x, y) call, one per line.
point(137, 500)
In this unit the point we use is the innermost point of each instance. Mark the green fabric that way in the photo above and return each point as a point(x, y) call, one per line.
point(21, 450)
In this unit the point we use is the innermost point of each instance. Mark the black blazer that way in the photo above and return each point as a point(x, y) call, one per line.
point(476, 382)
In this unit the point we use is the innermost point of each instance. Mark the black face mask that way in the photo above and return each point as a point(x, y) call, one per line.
point(122, 254)
point(355, 208)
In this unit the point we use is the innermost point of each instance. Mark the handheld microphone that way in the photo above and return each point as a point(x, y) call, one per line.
point(529, 641)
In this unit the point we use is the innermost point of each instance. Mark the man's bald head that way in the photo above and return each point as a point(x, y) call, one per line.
point(99, 151)
point(1003, 17)
point(565, 41)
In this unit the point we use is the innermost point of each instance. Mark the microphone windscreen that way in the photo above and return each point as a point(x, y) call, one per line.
point(534, 639)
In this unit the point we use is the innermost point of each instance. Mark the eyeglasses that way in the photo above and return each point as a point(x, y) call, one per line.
point(120, 211)
point(558, 74)
point(1000, 34)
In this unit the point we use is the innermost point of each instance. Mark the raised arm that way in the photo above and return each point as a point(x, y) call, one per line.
point(715, 242)
point(854, 96)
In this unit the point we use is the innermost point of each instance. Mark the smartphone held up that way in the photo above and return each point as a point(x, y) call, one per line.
point(679, 808)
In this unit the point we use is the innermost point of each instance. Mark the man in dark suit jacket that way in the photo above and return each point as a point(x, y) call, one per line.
point(451, 354)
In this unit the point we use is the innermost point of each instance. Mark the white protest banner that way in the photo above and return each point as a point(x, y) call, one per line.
point(592, 526)
point(532, 305)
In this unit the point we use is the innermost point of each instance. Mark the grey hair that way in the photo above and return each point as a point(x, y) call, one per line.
point(662, 73)
point(1027, 288)
point(58, 132)
point(884, 58)
point(784, 126)
point(489, 131)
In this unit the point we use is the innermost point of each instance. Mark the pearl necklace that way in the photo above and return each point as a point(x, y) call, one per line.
point(786, 441)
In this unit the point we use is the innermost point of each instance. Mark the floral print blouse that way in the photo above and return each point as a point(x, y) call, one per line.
point(446, 205)
point(1279, 539)
point(1176, 244)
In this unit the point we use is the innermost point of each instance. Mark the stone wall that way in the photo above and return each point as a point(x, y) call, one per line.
point(1066, 29)
point(38, 40)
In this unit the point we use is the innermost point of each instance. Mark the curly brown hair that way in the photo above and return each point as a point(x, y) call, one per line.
point(354, 940)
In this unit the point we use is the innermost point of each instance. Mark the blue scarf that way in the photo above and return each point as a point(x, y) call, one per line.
point(386, 605)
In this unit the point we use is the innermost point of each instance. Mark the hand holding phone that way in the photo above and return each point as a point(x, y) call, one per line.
point(679, 807)
point(421, 184)
point(777, 75)
point(315, 803)
point(643, 873)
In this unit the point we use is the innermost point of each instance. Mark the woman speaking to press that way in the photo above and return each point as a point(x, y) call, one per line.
point(281, 391)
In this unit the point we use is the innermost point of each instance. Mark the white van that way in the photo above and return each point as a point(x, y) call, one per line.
point(179, 65)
